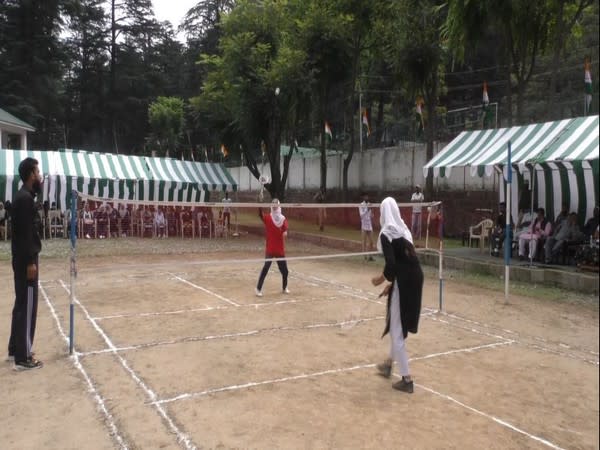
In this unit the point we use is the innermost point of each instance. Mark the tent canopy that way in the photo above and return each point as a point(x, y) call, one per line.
point(562, 156)
point(119, 177)
point(564, 140)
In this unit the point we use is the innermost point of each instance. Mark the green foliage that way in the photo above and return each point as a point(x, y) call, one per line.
point(166, 118)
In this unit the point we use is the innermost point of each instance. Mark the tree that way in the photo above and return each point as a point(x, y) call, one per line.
point(325, 33)
point(566, 14)
point(30, 76)
point(166, 117)
point(414, 45)
point(85, 81)
point(251, 88)
point(524, 26)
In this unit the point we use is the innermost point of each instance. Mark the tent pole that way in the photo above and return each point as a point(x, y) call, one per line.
point(532, 219)
point(507, 232)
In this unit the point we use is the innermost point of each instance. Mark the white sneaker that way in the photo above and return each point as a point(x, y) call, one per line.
point(286, 291)
point(87, 236)
point(257, 292)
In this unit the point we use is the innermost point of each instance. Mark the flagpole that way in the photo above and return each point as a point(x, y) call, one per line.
point(360, 116)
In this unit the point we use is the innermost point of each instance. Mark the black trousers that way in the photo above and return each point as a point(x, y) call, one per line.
point(282, 268)
point(24, 315)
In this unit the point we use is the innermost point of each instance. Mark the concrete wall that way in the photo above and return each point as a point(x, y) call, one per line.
point(385, 169)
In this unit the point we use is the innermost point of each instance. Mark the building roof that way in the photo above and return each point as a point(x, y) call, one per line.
point(7, 118)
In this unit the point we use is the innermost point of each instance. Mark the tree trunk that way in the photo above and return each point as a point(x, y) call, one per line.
point(558, 45)
point(113, 76)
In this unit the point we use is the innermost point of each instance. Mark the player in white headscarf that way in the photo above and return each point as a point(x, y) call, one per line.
point(403, 270)
point(276, 227)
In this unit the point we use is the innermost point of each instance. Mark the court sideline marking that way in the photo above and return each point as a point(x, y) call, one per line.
point(190, 395)
point(542, 348)
point(108, 418)
point(231, 335)
point(489, 416)
point(182, 439)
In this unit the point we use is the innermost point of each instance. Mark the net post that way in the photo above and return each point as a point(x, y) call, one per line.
point(73, 271)
point(441, 267)
point(508, 230)
point(427, 228)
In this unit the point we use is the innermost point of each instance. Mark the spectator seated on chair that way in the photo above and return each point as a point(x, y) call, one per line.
point(113, 223)
point(204, 224)
point(187, 224)
point(171, 217)
point(523, 223)
point(88, 221)
point(125, 217)
point(565, 232)
point(539, 230)
point(160, 223)
point(588, 255)
point(102, 218)
point(591, 226)
point(497, 237)
point(147, 222)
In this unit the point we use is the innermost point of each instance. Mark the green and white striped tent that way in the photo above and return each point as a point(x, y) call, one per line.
point(562, 154)
point(118, 177)
point(10, 182)
point(186, 180)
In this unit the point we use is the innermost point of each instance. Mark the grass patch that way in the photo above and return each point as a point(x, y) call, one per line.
point(538, 291)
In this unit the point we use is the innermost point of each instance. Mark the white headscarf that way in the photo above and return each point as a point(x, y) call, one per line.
point(276, 215)
point(392, 225)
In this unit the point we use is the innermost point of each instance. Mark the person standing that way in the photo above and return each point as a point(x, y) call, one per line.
point(403, 270)
point(227, 212)
point(417, 197)
point(276, 227)
point(319, 197)
point(366, 224)
point(26, 246)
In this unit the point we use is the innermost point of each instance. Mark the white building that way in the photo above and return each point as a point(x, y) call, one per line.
point(13, 132)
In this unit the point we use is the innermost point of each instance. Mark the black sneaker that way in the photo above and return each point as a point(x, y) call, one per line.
point(404, 386)
point(385, 369)
point(11, 357)
point(28, 364)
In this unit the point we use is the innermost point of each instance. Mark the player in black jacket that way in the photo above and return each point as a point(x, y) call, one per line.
point(26, 246)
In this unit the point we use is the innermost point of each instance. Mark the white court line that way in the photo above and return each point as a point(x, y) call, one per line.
point(211, 308)
point(483, 325)
point(543, 349)
point(220, 297)
point(317, 374)
point(489, 416)
point(108, 418)
point(181, 438)
point(231, 335)
point(516, 333)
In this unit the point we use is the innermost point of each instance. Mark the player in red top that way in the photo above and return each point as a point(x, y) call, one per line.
point(276, 226)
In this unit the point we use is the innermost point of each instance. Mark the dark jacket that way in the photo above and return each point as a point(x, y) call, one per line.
point(26, 243)
point(402, 265)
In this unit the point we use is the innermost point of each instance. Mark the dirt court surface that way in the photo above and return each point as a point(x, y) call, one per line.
point(176, 352)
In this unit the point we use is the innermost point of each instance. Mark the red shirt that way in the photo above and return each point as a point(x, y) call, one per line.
point(274, 234)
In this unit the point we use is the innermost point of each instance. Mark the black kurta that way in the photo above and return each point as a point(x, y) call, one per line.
point(402, 265)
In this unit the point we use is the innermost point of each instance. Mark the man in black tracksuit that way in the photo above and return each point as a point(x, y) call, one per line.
point(26, 246)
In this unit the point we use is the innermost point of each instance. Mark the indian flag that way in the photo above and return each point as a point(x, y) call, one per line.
point(587, 78)
point(365, 121)
point(486, 98)
point(328, 131)
point(224, 150)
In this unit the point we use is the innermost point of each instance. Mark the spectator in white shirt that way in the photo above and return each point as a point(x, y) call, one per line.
point(160, 223)
point(417, 197)
point(227, 212)
point(366, 224)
